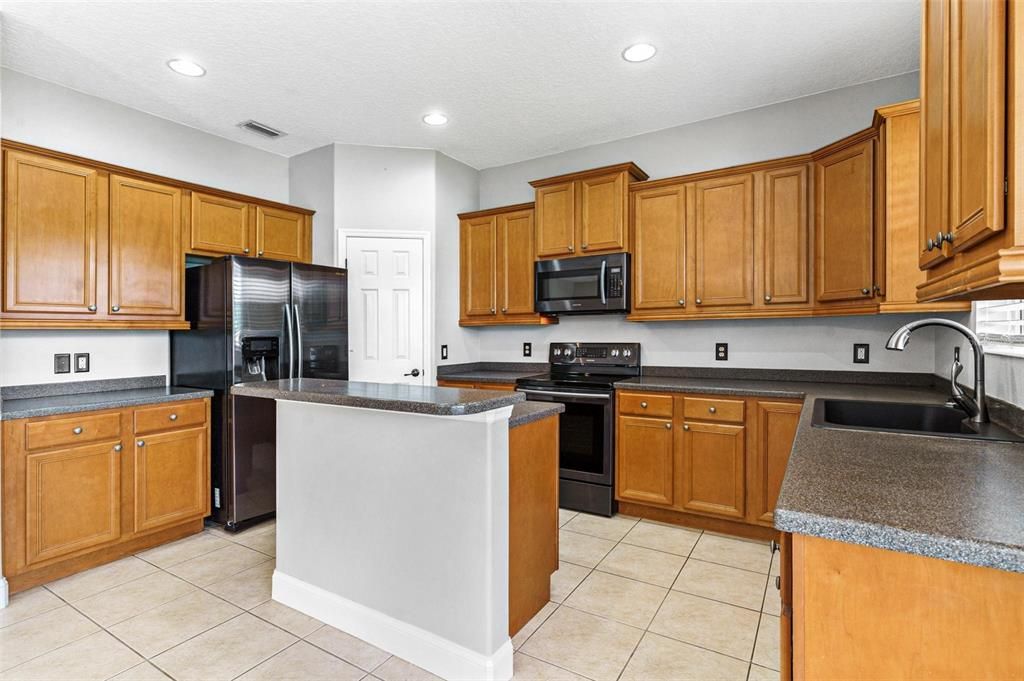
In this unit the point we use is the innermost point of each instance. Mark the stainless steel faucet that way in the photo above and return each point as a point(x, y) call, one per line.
point(976, 408)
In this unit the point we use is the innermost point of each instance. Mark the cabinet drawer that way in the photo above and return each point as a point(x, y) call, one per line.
point(709, 409)
point(167, 416)
point(642, 404)
point(73, 430)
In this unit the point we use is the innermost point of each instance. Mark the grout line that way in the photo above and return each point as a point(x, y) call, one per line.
point(556, 666)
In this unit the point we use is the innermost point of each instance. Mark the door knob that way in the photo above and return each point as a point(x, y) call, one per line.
point(414, 373)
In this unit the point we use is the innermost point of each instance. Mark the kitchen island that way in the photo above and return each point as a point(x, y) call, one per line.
point(393, 517)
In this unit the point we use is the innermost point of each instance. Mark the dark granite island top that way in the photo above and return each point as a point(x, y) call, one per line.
point(955, 499)
point(416, 399)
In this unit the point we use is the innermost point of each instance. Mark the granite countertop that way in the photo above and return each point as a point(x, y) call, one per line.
point(949, 498)
point(528, 412)
point(113, 395)
point(487, 376)
point(415, 399)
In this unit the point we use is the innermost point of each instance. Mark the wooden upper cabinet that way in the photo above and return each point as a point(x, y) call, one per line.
point(934, 148)
point(220, 225)
point(603, 213)
point(713, 469)
point(723, 244)
point(774, 430)
point(282, 234)
point(556, 220)
point(516, 271)
point(844, 224)
point(644, 467)
point(479, 266)
point(146, 257)
point(171, 482)
point(786, 236)
point(659, 249)
point(51, 235)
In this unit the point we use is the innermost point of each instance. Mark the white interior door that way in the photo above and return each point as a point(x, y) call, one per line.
point(385, 302)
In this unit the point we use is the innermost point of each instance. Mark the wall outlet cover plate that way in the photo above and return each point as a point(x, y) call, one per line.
point(81, 362)
point(721, 352)
point(861, 353)
point(527, 349)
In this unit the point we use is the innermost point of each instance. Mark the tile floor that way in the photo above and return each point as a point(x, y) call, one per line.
point(632, 600)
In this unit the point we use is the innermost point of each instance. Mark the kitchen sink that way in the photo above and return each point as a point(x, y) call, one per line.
point(905, 417)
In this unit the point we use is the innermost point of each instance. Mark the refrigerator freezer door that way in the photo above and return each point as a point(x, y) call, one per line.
point(320, 314)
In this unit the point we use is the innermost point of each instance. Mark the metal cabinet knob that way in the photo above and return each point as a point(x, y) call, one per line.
point(116, 308)
point(939, 238)
point(686, 427)
point(584, 247)
point(778, 582)
point(698, 301)
point(92, 308)
point(865, 291)
point(681, 302)
point(118, 447)
point(773, 545)
point(260, 254)
point(140, 443)
point(504, 310)
point(173, 417)
point(930, 244)
point(668, 426)
point(767, 299)
point(572, 249)
point(492, 310)
point(712, 409)
point(949, 237)
point(643, 405)
point(245, 250)
point(77, 430)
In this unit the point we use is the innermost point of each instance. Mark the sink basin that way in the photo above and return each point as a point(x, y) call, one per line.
point(905, 417)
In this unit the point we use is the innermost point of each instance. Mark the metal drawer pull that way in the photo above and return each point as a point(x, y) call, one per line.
point(643, 404)
point(77, 430)
point(712, 409)
point(140, 443)
point(118, 447)
point(173, 417)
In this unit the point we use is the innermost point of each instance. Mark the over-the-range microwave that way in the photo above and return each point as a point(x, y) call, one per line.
point(591, 284)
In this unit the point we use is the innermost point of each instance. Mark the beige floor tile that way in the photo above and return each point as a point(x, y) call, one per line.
point(218, 565)
point(740, 553)
point(614, 528)
point(397, 669)
point(219, 531)
point(709, 624)
point(349, 648)
point(97, 656)
point(292, 621)
point(582, 549)
point(530, 627)
point(141, 672)
point(226, 651)
point(41, 634)
point(566, 578)
point(264, 542)
point(85, 584)
point(772, 603)
point(766, 650)
point(722, 583)
point(127, 600)
point(526, 668)
point(165, 626)
point(565, 515)
point(618, 598)
point(662, 659)
point(302, 662)
point(248, 588)
point(184, 549)
point(662, 538)
point(646, 565)
point(28, 604)
point(758, 673)
point(583, 643)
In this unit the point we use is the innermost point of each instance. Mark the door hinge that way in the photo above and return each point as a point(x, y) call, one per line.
point(216, 497)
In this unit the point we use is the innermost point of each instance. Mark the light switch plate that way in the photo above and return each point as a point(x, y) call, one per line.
point(861, 353)
point(721, 352)
point(62, 363)
point(444, 352)
point(81, 362)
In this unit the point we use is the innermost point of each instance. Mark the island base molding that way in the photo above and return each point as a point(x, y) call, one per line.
point(429, 651)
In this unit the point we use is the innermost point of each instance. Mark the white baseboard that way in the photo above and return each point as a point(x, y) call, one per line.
point(434, 653)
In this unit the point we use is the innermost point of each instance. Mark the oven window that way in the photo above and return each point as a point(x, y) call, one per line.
point(569, 285)
point(581, 433)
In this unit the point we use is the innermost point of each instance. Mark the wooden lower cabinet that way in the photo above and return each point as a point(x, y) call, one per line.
point(83, 489)
point(713, 469)
point(645, 458)
point(441, 383)
point(774, 427)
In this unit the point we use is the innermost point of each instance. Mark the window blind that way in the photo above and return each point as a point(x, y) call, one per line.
point(1000, 322)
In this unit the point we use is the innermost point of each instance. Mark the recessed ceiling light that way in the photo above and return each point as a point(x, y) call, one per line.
point(186, 67)
point(435, 118)
point(639, 52)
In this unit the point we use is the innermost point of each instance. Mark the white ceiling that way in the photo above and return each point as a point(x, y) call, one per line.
point(517, 79)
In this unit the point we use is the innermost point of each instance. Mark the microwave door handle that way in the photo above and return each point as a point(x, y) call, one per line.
point(604, 296)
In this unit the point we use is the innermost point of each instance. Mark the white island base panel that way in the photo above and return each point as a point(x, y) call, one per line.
point(393, 527)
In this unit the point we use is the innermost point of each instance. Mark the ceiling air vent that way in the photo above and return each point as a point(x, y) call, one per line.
point(261, 129)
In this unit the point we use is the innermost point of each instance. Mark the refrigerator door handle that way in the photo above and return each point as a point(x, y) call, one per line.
point(298, 340)
point(291, 341)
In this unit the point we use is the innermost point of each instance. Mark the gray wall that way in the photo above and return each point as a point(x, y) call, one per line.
point(311, 184)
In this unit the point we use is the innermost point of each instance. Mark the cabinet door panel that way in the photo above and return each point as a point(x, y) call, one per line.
point(934, 130)
point(724, 241)
point(146, 258)
point(713, 469)
point(170, 478)
point(845, 223)
point(603, 211)
point(281, 234)
point(644, 470)
point(220, 225)
point(515, 234)
point(73, 500)
point(51, 234)
point(556, 220)
point(774, 432)
point(785, 236)
point(659, 249)
point(478, 243)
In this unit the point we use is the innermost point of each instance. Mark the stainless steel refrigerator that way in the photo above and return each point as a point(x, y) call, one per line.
point(254, 320)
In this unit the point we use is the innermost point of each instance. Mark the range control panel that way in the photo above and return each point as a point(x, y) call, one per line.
point(603, 354)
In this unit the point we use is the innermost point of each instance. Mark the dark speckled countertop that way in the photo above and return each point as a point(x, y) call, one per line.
point(416, 399)
point(50, 399)
point(949, 498)
point(528, 412)
point(490, 372)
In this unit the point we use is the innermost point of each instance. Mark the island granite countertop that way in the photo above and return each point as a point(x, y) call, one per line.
point(51, 399)
point(949, 498)
point(417, 399)
point(528, 412)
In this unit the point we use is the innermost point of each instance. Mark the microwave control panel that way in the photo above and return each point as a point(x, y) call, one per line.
point(615, 282)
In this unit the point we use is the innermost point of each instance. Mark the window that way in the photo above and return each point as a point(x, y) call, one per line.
point(1000, 323)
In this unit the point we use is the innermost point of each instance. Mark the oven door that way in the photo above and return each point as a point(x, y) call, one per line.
point(597, 283)
point(586, 439)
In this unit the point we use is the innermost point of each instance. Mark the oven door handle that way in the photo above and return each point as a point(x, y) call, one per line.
point(551, 393)
point(604, 296)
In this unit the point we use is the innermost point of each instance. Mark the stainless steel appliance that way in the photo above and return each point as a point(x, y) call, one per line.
point(254, 320)
point(589, 285)
point(583, 377)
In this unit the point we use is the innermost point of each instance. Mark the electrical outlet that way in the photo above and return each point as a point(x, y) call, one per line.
point(861, 353)
point(81, 362)
point(721, 352)
point(444, 352)
point(62, 363)
point(527, 349)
